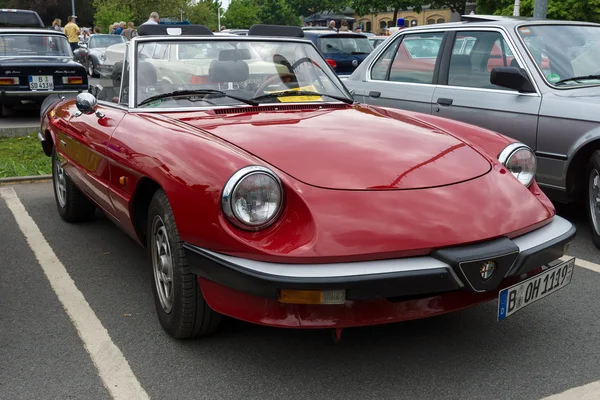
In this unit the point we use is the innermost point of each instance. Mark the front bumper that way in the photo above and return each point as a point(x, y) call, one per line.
point(445, 270)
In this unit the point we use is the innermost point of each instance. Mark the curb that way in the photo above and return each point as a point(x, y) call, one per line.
point(25, 178)
point(16, 131)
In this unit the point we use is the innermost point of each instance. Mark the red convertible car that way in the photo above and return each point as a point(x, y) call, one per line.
point(263, 192)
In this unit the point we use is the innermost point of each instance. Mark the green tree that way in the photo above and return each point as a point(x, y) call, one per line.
point(110, 11)
point(277, 12)
point(364, 7)
point(203, 14)
point(241, 14)
point(571, 10)
point(457, 6)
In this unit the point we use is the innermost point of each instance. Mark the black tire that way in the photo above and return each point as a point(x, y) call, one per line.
point(591, 194)
point(72, 206)
point(189, 315)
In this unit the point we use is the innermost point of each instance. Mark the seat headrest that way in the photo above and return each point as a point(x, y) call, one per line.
point(147, 75)
point(228, 71)
point(460, 61)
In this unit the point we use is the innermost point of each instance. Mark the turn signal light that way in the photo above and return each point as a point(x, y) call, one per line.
point(72, 80)
point(9, 81)
point(331, 62)
point(291, 296)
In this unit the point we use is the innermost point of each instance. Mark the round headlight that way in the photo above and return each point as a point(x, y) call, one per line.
point(252, 198)
point(520, 161)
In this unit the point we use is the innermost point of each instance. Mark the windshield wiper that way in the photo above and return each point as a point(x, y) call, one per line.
point(359, 52)
point(195, 92)
point(300, 93)
point(578, 78)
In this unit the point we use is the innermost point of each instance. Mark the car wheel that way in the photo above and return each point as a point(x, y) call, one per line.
point(72, 205)
point(182, 310)
point(91, 68)
point(593, 196)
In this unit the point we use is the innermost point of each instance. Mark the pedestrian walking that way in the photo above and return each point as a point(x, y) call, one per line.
point(129, 33)
point(72, 31)
point(56, 25)
point(153, 20)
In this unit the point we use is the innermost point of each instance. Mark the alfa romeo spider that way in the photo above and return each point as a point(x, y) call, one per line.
point(255, 201)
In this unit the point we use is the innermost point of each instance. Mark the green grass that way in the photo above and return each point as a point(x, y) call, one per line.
point(23, 156)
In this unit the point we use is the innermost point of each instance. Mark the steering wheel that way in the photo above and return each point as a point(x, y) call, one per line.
point(282, 77)
point(301, 61)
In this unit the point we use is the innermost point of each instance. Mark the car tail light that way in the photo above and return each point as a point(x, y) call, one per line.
point(72, 80)
point(198, 79)
point(9, 81)
point(292, 296)
point(331, 62)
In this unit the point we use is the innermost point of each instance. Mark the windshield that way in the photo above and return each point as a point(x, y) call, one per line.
point(239, 70)
point(34, 45)
point(564, 51)
point(98, 41)
point(346, 45)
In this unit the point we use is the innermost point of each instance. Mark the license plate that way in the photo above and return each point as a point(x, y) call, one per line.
point(514, 298)
point(41, 82)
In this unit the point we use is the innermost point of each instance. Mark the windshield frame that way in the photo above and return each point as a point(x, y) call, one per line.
point(532, 58)
point(139, 40)
point(40, 34)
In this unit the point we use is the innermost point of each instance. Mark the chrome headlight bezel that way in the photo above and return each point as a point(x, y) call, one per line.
point(229, 190)
point(510, 150)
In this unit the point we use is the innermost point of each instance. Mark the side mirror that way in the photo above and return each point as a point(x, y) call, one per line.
point(86, 103)
point(511, 78)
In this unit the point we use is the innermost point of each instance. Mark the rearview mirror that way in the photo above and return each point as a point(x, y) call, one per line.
point(511, 78)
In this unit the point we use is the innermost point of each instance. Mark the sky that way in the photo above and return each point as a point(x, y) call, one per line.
point(225, 4)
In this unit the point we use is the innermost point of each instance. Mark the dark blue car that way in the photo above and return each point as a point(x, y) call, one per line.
point(344, 51)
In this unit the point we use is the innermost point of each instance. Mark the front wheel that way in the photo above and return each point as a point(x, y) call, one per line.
point(180, 305)
point(593, 196)
point(72, 205)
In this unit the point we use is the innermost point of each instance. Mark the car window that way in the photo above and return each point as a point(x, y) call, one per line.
point(416, 57)
point(382, 65)
point(160, 52)
point(34, 45)
point(486, 51)
point(345, 45)
point(105, 40)
point(146, 50)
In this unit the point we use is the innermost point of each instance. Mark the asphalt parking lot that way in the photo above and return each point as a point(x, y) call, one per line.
point(545, 349)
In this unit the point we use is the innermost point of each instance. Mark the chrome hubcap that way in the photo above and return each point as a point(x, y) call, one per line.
point(594, 199)
point(162, 264)
point(60, 183)
point(90, 68)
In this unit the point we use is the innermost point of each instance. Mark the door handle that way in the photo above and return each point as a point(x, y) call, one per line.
point(374, 94)
point(63, 142)
point(444, 102)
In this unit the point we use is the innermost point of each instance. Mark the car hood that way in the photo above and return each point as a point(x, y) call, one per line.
point(348, 148)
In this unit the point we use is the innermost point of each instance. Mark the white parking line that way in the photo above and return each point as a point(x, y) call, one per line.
point(584, 264)
point(113, 368)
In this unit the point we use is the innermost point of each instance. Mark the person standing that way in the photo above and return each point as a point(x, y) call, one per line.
point(129, 33)
point(72, 31)
point(120, 28)
point(344, 27)
point(56, 25)
point(332, 25)
point(153, 20)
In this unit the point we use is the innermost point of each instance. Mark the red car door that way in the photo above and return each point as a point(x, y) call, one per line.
point(86, 149)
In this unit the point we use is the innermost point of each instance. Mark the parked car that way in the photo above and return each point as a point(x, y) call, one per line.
point(377, 40)
point(241, 32)
point(344, 51)
point(35, 63)
point(252, 203)
point(13, 18)
point(91, 55)
point(535, 81)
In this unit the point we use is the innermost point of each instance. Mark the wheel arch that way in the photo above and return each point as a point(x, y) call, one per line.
point(140, 203)
point(575, 180)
